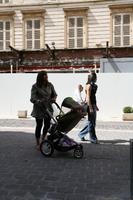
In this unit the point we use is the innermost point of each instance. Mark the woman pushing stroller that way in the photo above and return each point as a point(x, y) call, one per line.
point(43, 95)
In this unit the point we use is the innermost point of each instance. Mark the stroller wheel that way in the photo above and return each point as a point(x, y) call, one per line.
point(47, 148)
point(78, 152)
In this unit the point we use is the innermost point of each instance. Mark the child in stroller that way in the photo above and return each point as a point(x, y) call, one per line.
point(64, 122)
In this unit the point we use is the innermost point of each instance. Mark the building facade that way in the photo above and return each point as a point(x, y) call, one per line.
point(60, 33)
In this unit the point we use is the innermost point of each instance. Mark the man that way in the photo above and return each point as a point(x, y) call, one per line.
point(78, 94)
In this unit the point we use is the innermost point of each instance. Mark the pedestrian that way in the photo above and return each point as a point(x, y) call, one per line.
point(78, 94)
point(91, 89)
point(43, 95)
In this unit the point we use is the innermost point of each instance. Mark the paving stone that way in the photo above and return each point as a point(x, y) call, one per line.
point(102, 174)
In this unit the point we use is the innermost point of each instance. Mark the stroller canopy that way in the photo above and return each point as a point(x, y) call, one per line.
point(69, 120)
point(69, 102)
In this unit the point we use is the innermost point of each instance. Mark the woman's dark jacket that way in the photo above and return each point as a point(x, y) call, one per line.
point(42, 99)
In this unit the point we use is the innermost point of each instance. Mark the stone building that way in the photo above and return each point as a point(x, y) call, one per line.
point(63, 34)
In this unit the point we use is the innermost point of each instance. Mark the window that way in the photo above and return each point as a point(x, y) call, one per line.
point(121, 25)
point(5, 35)
point(76, 28)
point(122, 30)
point(4, 1)
point(32, 30)
point(75, 32)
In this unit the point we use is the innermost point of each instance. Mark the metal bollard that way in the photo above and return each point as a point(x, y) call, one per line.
point(131, 168)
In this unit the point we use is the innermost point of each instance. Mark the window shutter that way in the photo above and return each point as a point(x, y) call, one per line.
point(126, 30)
point(117, 41)
point(29, 34)
point(7, 45)
point(29, 39)
point(33, 34)
point(37, 44)
point(121, 33)
point(117, 30)
point(37, 34)
point(75, 32)
point(5, 35)
point(71, 43)
point(1, 45)
point(29, 44)
point(79, 22)
point(80, 32)
point(1, 26)
point(1, 35)
point(71, 22)
point(71, 32)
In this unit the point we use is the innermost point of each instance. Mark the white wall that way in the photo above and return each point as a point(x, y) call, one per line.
point(114, 92)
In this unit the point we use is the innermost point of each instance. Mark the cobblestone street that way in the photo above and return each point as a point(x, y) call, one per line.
point(102, 174)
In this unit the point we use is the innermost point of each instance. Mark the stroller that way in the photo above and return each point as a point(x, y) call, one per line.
point(57, 138)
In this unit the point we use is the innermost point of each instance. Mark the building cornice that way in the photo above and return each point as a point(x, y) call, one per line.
point(119, 6)
point(7, 12)
point(31, 11)
point(75, 9)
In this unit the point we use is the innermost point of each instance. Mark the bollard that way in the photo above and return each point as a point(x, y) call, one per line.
point(131, 168)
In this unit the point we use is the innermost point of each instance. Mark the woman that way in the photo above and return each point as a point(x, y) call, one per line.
point(42, 96)
point(91, 89)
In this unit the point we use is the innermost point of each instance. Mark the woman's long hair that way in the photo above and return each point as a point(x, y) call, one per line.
point(93, 77)
point(40, 78)
point(88, 79)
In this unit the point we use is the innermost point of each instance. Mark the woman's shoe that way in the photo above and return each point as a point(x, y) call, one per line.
point(94, 141)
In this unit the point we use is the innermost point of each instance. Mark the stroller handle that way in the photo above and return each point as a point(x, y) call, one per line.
point(57, 105)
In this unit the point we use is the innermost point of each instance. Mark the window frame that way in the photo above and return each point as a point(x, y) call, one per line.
point(33, 33)
point(75, 13)
point(121, 30)
point(33, 15)
point(8, 19)
point(121, 10)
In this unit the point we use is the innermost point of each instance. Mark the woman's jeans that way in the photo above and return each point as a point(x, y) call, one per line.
point(90, 125)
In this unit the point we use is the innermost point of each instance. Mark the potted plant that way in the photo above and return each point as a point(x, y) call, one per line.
point(128, 113)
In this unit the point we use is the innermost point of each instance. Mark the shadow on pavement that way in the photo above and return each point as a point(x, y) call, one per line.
point(25, 174)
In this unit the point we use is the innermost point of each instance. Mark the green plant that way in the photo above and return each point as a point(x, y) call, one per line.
point(127, 109)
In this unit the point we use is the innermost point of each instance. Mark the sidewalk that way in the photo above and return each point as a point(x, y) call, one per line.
point(121, 131)
point(102, 174)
